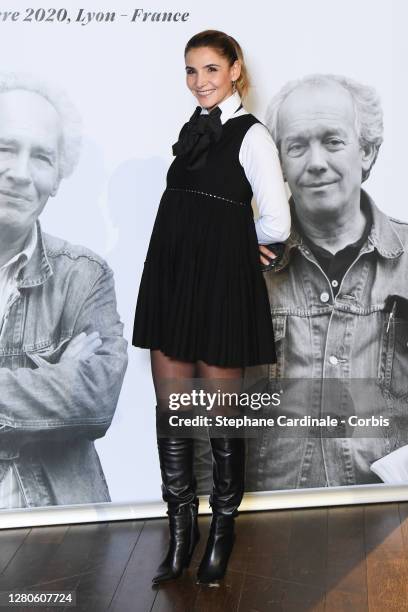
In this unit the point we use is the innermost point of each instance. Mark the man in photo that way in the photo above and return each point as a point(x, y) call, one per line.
point(62, 353)
point(339, 297)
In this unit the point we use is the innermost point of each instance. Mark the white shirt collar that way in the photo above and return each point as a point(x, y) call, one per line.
point(227, 107)
point(24, 255)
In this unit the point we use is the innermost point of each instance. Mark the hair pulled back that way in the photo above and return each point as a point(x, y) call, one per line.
point(227, 47)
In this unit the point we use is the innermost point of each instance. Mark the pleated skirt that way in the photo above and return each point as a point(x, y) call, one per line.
point(202, 294)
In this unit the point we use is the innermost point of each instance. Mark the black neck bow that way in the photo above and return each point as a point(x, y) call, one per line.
point(196, 136)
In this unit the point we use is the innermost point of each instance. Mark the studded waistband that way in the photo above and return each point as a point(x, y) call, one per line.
point(211, 195)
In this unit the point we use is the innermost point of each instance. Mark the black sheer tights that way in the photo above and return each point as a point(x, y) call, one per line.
point(182, 373)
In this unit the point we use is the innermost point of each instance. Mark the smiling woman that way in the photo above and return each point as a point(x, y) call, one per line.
point(209, 76)
point(202, 307)
point(212, 63)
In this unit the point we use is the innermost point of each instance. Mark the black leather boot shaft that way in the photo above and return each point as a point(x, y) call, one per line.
point(178, 488)
point(176, 456)
point(228, 475)
point(228, 490)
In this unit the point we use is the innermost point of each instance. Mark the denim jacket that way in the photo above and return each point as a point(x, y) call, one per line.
point(338, 354)
point(50, 412)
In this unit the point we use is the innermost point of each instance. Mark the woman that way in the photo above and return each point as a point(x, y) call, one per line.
point(202, 308)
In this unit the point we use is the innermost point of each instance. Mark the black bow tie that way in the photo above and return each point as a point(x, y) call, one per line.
point(196, 136)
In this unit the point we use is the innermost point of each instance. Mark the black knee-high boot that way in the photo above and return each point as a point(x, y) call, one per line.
point(178, 488)
point(228, 490)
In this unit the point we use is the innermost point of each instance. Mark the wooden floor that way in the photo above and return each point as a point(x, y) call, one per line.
point(349, 559)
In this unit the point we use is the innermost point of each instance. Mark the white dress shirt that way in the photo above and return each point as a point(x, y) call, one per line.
point(259, 157)
point(11, 494)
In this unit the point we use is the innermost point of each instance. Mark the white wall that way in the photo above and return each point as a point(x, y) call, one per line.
point(128, 82)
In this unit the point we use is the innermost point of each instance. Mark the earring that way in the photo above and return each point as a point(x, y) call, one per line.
point(234, 86)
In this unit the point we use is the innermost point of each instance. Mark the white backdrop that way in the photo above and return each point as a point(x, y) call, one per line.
point(127, 79)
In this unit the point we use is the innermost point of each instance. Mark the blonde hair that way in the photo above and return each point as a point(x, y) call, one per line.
point(227, 47)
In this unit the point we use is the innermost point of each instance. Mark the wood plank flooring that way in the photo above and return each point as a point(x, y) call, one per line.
point(341, 559)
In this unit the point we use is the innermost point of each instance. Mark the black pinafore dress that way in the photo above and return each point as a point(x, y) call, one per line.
point(202, 295)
